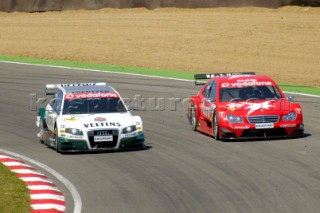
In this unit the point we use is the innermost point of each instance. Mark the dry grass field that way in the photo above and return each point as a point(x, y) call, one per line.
point(283, 43)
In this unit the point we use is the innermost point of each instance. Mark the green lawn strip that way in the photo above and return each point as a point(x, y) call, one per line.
point(102, 67)
point(139, 70)
point(300, 89)
point(14, 194)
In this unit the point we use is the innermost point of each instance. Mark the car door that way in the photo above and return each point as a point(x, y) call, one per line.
point(53, 110)
point(208, 99)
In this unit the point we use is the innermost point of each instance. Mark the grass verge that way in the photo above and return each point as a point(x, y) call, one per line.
point(140, 70)
point(14, 194)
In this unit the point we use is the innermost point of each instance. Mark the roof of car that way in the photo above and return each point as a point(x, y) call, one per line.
point(88, 89)
point(236, 78)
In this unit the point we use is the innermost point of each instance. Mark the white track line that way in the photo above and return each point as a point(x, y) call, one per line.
point(126, 73)
point(93, 70)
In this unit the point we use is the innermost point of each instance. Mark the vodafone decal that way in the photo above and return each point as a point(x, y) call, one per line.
point(92, 95)
point(246, 84)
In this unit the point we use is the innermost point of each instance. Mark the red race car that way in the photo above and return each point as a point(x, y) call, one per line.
point(243, 106)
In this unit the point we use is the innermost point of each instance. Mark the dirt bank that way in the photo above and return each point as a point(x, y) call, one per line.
point(282, 43)
point(50, 5)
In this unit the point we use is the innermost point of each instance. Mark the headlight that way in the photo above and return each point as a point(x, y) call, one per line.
point(292, 116)
point(234, 119)
point(74, 131)
point(129, 129)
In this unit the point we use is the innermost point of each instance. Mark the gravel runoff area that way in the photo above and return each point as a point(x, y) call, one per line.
point(282, 43)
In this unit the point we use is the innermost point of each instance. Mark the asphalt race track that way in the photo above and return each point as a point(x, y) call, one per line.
point(181, 170)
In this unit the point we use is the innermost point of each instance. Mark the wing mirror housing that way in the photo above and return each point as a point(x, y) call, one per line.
point(134, 108)
point(291, 98)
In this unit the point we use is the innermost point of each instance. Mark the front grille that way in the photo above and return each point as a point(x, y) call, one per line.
point(103, 144)
point(263, 119)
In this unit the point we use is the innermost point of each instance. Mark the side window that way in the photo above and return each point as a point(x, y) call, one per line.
point(207, 90)
point(57, 102)
point(211, 90)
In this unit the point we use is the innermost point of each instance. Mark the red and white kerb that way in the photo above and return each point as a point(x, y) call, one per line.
point(45, 195)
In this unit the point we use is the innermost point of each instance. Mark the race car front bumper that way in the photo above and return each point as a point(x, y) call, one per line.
point(78, 145)
point(250, 132)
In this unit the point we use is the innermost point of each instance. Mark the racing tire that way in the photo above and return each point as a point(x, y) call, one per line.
point(193, 119)
point(57, 141)
point(215, 127)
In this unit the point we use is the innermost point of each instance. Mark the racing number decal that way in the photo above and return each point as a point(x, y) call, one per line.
point(51, 116)
point(49, 120)
point(207, 110)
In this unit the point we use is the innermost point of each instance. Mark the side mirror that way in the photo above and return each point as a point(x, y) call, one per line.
point(209, 101)
point(291, 98)
point(50, 112)
point(134, 108)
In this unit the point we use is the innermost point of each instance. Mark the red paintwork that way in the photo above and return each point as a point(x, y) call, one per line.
point(279, 107)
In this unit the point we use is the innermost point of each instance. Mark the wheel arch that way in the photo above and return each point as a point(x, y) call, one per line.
point(195, 101)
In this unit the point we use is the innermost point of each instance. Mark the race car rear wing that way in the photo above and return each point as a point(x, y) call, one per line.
point(51, 88)
point(198, 77)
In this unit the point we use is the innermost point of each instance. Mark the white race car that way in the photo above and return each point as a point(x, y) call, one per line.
point(88, 116)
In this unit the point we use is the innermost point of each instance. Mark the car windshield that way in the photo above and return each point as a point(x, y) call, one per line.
point(249, 93)
point(93, 106)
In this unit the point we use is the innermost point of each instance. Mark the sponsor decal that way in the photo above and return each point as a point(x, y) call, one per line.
point(91, 95)
point(234, 106)
point(241, 127)
point(103, 138)
point(298, 110)
point(102, 124)
point(250, 83)
point(222, 114)
point(251, 106)
point(288, 125)
point(71, 119)
point(100, 119)
point(78, 84)
point(75, 136)
point(265, 126)
point(133, 134)
point(258, 106)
